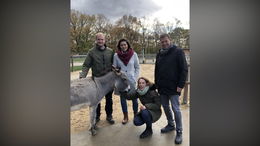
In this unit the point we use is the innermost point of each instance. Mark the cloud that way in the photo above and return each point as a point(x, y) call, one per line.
point(116, 8)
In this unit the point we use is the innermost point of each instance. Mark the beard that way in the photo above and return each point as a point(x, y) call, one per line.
point(101, 47)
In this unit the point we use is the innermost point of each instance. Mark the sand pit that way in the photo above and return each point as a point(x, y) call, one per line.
point(80, 118)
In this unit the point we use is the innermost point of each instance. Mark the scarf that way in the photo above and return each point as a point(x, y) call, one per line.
point(164, 51)
point(101, 48)
point(125, 56)
point(143, 92)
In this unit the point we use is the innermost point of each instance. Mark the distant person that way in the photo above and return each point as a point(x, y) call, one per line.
point(170, 76)
point(150, 108)
point(100, 59)
point(126, 59)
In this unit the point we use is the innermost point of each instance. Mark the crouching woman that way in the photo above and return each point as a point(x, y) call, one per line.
point(150, 108)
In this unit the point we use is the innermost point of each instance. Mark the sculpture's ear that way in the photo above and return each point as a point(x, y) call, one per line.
point(118, 69)
point(115, 69)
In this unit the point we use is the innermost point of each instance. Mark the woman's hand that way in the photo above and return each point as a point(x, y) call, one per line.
point(142, 107)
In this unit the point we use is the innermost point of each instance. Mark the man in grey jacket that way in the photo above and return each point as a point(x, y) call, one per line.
point(100, 59)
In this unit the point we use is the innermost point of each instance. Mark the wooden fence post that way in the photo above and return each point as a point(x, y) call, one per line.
point(185, 95)
point(186, 87)
point(71, 57)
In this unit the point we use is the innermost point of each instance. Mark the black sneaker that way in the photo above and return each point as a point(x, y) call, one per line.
point(178, 138)
point(147, 132)
point(110, 120)
point(167, 128)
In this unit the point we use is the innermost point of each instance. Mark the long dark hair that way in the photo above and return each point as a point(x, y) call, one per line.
point(123, 40)
point(148, 83)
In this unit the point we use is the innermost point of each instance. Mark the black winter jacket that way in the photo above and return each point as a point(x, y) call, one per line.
point(170, 71)
point(151, 100)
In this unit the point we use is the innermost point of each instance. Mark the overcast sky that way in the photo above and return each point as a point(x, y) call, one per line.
point(164, 10)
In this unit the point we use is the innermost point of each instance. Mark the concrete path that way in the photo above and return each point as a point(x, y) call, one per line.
point(77, 64)
point(128, 135)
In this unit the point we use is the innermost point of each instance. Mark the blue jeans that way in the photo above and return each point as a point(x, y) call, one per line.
point(175, 104)
point(144, 117)
point(134, 101)
point(124, 105)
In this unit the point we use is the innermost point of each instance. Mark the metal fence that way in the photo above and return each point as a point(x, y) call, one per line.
point(146, 59)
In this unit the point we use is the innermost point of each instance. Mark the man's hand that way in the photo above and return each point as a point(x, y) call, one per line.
point(179, 89)
point(142, 107)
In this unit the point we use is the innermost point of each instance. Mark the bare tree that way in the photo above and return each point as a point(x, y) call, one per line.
point(143, 36)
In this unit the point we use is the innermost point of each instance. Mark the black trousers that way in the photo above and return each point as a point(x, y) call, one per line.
point(108, 106)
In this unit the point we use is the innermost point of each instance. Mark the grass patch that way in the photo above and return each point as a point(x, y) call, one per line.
point(78, 59)
point(75, 68)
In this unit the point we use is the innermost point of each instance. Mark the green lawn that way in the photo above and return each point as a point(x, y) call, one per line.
point(75, 68)
point(78, 59)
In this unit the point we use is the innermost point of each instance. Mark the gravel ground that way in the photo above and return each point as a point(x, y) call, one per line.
point(80, 118)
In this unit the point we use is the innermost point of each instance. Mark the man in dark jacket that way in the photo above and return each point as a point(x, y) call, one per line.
point(100, 59)
point(170, 76)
